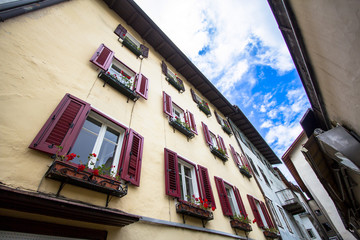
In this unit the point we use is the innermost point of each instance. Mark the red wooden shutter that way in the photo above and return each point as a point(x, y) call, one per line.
point(222, 144)
point(120, 31)
point(102, 57)
point(181, 83)
point(142, 85)
point(206, 189)
point(193, 95)
point(266, 214)
point(245, 162)
point(167, 105)
point(144, 51)
point(191, 120)
point(233, 153)
point(224, 200)
point(164, 68)
point(62, 127)
point(172, 179)
point(217, 117)
point(239, 201)
point(255, 211)
point(207, 134)
point(131, 166)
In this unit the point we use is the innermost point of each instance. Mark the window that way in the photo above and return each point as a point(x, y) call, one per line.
point(224, 124)
point(172, 78)
point(131, 43)
point(285, 219)
point(252, 165)
point(216, 143)
point(178, 118)
point(260, 213)
point(265, 178)
point(187, 177)
point(274, 213)
point(201, 103)
point(180, 178)
point(240, 160)
point(118, 75)
point(230, 198)
point(79, 128)
point(310, 232)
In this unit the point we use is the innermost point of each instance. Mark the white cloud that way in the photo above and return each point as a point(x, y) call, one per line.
point(266, 124)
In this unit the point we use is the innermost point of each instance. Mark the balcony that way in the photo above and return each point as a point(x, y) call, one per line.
point(290, 202)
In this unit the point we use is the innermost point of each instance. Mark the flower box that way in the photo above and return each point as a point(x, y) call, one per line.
point(245, 173)
point(118, 86)
point(269, 234)
point(226, 129)
point(132, 46)
point(240, 225)
point(219, 154)
point(194, 211)
point(175, 83)
point(181, 128)
point(68, 173)
point(205, 109)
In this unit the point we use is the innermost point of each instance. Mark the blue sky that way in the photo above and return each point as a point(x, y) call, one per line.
point(239, 48)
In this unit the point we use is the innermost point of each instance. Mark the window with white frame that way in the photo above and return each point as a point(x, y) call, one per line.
point(178, 113)
point(231, 196)
point(187, 175)
point(100, 136)
point(122, 73)
point(261, 214)
point(285, 219)
point(274, 213)
point(214, 140)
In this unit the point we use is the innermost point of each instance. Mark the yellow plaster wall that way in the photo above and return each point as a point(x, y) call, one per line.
point(45, 54)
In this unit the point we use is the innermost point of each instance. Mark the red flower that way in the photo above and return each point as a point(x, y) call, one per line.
point(201, 201)
point(254, 221)
point(206, 205)
point(94, 154)
point(124, 34)
point(193, 196)
point(213, 208)
point(206, 200)
point(196, 199)
point(96, 172)
point(81, 167)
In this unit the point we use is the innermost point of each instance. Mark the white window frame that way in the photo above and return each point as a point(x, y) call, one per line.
point(232, 199)
point(180, 110)
point(194, 183)
point(214, 140)
point(117, 64)
point(257, 204)
point(105, 123)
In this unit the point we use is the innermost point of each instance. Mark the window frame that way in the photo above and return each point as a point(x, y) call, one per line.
point(122, 32)
point(194, 178)
point(282, 212)
point(210, 137)
point(274, 213)
point(260, 212)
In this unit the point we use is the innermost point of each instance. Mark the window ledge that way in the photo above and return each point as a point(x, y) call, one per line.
point(240, 225)
point(175, 84)
point(178, 126)
point(271, 235)
point(204, 109)
point(194, 211)
point(226, 129)
point(68, 173)
point(245, 173)
point(118, 86)
point(219, 154)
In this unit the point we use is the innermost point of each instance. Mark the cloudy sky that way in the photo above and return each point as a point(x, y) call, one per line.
point(239, 48)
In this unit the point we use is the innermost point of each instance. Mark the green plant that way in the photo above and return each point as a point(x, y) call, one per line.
point(273, 230)
point(245, 168)
point(241, 218)
point(222, 151)
point(185, 124)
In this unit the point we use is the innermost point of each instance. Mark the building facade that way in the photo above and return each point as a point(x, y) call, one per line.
point(110, 132)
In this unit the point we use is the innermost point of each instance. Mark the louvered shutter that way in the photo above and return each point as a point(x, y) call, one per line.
point(131, 166)
point(224, 200)
point(207, 134)
point(144, 51)
point(266, 214)
point(167, 105)
point(206, 189)
point(191, 121)
point(181, 83)
point(172, 179)
point(62, 127)
point(245, 162)
point(239, 201)
point(120, 31)
point(255, 211)
point(102, 57)
point(193, 96)
point(222, 144)
point(234, 155)
point(142, 85)
point(164, 68)
point(217, 117)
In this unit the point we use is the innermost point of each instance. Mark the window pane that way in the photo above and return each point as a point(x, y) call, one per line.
point(83, 146)
point(189, 189)
point(92, 125)
point(230, 201)
point(106, 156)
point(112, 135)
